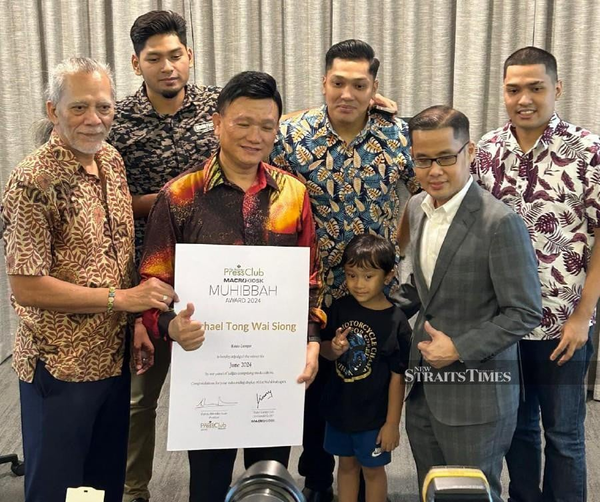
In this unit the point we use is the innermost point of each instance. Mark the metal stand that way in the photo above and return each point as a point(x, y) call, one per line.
point(17, 467)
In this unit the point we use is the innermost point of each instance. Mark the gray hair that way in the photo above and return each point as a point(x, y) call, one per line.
point(42, 128)
point(71, 66)
point(41, 131)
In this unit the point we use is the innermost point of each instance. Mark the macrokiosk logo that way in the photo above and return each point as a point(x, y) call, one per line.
point(243, 285)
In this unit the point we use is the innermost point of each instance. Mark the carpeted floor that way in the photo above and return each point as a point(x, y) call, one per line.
point(170, 472)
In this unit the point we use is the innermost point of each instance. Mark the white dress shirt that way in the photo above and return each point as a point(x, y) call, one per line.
point(436, 227)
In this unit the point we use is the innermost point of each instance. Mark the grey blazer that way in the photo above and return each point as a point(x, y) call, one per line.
point(485, 294)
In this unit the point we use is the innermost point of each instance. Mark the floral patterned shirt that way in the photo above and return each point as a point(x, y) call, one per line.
point(555, 187)
point(62, 222)
point(156, 148)
point(352, 187)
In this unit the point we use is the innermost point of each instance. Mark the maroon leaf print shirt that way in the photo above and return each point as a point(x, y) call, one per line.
point(555, 187)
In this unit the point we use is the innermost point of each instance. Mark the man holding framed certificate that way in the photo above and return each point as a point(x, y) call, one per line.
point(233, 199)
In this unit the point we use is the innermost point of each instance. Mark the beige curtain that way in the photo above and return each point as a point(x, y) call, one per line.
point(432, 51)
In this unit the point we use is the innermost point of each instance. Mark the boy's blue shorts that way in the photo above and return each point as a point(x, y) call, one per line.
point(356, 444)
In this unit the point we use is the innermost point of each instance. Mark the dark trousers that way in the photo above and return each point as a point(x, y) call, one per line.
point(315, 464)
point(434, 443)
point(558, 393)
point(145, 391)
point(74, 434)
point(211, 470)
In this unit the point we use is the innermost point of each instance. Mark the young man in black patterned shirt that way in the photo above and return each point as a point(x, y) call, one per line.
point(160, 131)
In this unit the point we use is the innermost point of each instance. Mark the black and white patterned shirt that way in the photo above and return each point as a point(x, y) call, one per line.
point(156, 148)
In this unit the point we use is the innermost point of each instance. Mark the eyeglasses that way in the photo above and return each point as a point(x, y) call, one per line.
point(446, 160)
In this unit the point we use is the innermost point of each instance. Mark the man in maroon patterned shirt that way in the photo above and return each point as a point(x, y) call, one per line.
point(548, 171)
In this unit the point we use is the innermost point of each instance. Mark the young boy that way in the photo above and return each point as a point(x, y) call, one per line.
point(368, 338)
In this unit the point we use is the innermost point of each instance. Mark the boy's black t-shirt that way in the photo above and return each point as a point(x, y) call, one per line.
point(356, 395)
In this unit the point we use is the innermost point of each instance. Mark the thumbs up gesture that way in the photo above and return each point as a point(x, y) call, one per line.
point(440, 350)
point(339, 344)
point(186, 332)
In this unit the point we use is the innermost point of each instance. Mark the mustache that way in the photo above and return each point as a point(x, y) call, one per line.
point(97, 130)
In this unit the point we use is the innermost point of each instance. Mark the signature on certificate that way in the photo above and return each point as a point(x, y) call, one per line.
point(204, 403)
point(263, 397)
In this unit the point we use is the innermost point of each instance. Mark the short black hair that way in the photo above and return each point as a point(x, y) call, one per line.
point(249, 84)
point(439, 117)
point(368, 250)
point(533, 55)
point(157, 22)
point(352, 50)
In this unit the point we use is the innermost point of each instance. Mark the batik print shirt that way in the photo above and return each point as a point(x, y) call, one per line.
point(555, 187)
point(58, 223)
point(156, 148)
point(203, 207)
point(352, 187)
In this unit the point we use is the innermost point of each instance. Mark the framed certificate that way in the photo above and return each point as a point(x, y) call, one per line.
point(240, 388)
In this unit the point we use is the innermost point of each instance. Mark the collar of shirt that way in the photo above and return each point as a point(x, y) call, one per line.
point(543, 141)
point(447, 211)
point(68, 161)
point(144, 106)
point(214, 176)
point(369, 127)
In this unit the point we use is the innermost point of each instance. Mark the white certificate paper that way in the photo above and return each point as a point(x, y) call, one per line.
point(239, 389)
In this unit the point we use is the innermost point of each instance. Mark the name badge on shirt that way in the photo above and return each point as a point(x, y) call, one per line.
point(201, 128)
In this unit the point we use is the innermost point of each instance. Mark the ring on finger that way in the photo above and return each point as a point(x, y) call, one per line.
point(165, 298)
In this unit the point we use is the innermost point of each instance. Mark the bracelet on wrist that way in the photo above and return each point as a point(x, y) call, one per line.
point(111, 299)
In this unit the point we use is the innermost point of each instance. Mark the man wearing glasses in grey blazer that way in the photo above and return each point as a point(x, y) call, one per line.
point(476, 290)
